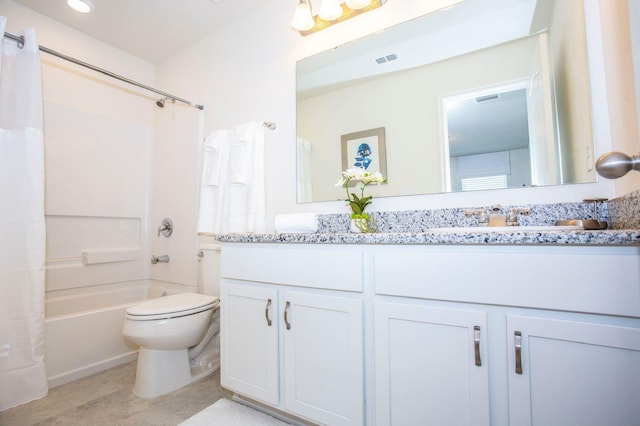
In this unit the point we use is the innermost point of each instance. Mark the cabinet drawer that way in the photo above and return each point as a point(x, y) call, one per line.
point(327, 267)
point(603, 280)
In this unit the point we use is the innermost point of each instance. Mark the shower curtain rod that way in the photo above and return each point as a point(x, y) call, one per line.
point(20, 41)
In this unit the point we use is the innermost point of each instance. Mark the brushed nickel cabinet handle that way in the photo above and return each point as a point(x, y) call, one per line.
point(476, 344)
point(518, 345)
point(266, 312)
point(286, 315)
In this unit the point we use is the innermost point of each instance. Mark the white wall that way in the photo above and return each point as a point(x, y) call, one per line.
point(634, 18)
point(174, 192)
point(572, 92)
point(616, 23)
point(246, 72)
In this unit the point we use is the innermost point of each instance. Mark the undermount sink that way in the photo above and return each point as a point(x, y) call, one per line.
point(487, 229)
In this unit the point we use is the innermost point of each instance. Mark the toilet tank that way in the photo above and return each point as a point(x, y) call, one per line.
point(209, 269)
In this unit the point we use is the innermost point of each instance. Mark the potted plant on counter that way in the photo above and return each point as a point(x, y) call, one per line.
point(360, 221)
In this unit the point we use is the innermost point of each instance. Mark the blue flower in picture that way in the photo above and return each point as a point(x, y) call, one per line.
point(363, 159)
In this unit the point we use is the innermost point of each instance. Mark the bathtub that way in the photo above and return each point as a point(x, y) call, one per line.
point(83, 329)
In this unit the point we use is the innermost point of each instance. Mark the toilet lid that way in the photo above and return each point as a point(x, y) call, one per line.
point(172, 306)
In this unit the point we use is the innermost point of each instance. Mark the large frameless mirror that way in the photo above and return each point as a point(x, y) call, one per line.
point(485, 94)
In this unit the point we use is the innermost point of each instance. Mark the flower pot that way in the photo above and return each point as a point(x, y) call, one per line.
point(359, 225)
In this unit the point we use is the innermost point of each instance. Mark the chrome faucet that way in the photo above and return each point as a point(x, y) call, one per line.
point(496, 216)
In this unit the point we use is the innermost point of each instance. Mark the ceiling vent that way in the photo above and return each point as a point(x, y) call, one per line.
point(387, 58)
point(488, 98)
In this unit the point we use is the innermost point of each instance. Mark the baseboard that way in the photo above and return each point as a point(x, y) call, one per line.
point(70, 376)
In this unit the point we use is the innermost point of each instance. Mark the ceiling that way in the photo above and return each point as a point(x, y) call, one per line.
point(491, 123)
point(152, 30)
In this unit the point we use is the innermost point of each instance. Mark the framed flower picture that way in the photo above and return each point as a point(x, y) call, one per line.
point(365, 149)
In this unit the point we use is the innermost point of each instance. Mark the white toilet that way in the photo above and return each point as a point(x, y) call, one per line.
point(178, 335)
point(172, 332)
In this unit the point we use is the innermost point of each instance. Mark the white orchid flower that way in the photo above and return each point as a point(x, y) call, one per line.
point(373, 178)
point(356, 173)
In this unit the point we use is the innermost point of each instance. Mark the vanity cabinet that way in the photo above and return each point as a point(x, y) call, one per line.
point(434, 334)
point(294, 347)
point(578, 363)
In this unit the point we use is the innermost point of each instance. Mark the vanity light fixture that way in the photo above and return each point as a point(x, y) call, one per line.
point(331, 12)
point(302, 19)
point(82, 6)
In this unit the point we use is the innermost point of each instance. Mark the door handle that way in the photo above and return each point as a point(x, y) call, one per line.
point(518, 347)
point(266, 312)
point(286, 315)
point(476, 344)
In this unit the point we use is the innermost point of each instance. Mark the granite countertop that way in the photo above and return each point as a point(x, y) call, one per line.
point(517, 236)
point(426, 227)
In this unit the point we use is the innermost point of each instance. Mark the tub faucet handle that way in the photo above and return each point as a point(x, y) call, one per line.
point(166, 227)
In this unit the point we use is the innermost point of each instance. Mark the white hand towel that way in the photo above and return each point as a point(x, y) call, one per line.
point(213, 156)
point(239, 159)
point(296, 223)
point(247, 138)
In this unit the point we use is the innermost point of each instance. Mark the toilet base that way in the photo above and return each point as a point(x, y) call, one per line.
point(160, 372)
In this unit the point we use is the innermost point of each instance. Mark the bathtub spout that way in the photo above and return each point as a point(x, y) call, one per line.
point(159, 259)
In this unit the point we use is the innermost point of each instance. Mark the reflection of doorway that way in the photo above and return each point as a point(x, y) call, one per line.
point(487, 135)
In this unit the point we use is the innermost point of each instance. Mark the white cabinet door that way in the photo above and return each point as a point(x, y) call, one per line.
point(573, 373)
point(323, 357)
point(430, 366)
point(249, 340)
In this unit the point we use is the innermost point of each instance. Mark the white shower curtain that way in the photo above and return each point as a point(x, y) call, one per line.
point(304, 189)
point(22, 227)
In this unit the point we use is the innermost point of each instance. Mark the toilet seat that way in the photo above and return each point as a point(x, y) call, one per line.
point(167, 307)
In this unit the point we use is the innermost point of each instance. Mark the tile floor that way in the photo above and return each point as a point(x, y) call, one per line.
point(106, 398)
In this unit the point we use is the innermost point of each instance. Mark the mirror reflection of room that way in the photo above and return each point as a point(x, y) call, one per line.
point(401, 79)
point(488, 140)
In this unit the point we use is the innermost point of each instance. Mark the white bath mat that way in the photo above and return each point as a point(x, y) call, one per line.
point(228, 413)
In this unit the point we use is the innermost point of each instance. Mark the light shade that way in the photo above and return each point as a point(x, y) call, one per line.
point(82, 6)
point(330, 10)
point(357, 4)
point(302, 19)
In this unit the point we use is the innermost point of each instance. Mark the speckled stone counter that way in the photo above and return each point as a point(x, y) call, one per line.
point(421, 227)
point(624, 211)
point(515, 237)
